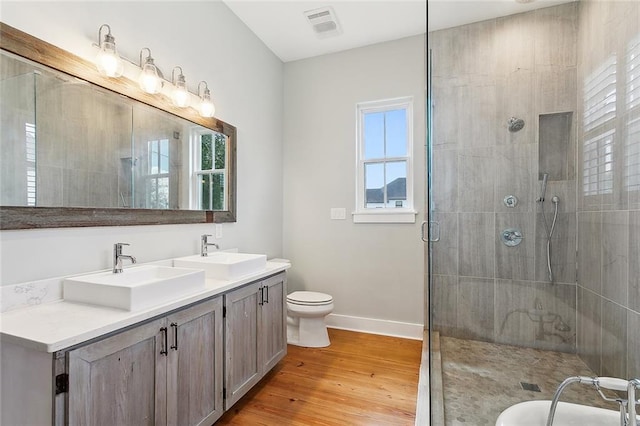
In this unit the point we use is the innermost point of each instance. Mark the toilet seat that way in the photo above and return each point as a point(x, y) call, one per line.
point(309, 298)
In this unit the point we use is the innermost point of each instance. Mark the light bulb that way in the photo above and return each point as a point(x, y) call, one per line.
point(207, 109)
point(108, 61)
point(180, 94)
point(149, 79)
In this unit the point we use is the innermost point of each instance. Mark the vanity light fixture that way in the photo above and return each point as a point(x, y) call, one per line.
point(180, 94)
point(150, 80)
point(108, 61)
point(206, 107)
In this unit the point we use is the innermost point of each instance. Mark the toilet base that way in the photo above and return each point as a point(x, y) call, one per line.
point(307, 332)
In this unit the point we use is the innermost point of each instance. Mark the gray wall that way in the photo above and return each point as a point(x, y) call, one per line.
point(371, 270)
point(609, 201)
point(484, 73)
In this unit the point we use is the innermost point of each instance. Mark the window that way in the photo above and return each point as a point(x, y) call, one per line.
point(384, 180)
point(209, 171)
point(158, 174)
point(30, 150)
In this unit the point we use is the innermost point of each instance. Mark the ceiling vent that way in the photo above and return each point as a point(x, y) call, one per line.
point(324, 22)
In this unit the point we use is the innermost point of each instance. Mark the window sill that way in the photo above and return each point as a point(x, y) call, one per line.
point(382, 216)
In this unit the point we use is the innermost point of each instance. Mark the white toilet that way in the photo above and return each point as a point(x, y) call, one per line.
point(305, 318)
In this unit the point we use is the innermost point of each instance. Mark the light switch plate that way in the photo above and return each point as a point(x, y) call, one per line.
point(338, 213)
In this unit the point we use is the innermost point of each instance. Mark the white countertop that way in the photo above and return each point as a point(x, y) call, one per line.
point(57, 325)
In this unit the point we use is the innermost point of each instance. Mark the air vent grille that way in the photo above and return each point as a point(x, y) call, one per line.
point(324, 22)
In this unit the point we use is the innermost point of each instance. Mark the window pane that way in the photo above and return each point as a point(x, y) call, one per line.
point(153, 157)
point(396, 133)
point(164, 156)
point(220, 151)
point(374, 135)
point(205, 192)
point(218, 192)
point(396, 182)
point(206, 152)
point(374, 185)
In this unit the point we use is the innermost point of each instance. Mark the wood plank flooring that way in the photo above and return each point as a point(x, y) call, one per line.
point(361, 379)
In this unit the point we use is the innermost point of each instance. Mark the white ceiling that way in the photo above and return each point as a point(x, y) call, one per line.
point(283, 27)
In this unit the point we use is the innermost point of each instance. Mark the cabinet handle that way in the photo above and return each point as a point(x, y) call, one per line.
point(163, 350)
point(266, 287)
point(175, 336)
point(261, 301)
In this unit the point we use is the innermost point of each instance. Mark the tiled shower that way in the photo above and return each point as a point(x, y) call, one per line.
point(572, 74)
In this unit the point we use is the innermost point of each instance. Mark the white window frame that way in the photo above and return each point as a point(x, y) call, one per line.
point(362, 214)
point(195, 148)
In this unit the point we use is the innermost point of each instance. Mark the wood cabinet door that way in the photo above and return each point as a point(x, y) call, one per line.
point(273, 322)
point(194, 365)
point(242, 367)
point(120, 380)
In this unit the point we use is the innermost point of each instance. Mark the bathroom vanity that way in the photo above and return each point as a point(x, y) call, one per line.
point(182, 362)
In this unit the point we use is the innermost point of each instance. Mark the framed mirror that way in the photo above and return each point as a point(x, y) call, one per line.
point(80, 149)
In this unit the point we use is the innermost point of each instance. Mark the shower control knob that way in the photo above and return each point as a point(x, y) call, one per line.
point(511, 237)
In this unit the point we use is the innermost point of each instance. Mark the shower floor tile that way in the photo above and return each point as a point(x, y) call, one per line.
point(482, 379)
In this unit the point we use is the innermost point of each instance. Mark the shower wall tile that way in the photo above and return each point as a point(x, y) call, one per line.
point(448, 105)
point(476, 236)
point(476, 174)
point(513, 301)
point(444, 303)
point(515, 262)
point(444, 178)
point(589, 250)
point(515, 43)
point(556, 90)
point(556, 36)
point(478, 115)
point(615, 256)
point(514, 176)
point(589, 338)
point(476, 308)
point(614, 339)
point(565, 190)
point(634, 261)
point(445, 252)
point(633, 345)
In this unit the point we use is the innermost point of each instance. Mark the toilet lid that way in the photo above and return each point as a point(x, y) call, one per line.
point(309, 298)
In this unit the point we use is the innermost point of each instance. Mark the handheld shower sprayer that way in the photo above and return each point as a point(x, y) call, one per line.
point(543, 190)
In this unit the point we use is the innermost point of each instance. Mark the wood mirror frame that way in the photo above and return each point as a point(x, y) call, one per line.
point(24, 45)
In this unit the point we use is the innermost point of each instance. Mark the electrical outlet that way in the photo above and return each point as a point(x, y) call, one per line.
point(338, 213)
point(218, 230)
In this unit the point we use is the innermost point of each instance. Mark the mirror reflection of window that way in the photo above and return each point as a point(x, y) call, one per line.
point(158, 174)
point(209, 170)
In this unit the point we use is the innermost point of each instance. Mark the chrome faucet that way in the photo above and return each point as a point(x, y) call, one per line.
point(631, 402)
point(118, 256)
point(204, 245)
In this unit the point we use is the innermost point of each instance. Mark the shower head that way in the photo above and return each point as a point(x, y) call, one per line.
point(515, 124)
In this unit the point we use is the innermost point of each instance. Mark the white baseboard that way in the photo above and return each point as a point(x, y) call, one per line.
point(375, 326)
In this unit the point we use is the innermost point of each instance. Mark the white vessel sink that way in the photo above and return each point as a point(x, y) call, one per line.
point(224, 265)
point(135, 288)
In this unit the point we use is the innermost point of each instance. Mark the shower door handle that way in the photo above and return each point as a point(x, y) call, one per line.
point(434, 231)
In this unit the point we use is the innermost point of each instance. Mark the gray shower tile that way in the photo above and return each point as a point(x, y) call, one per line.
point(515, 43)
point(476, 239)
point(477, 118)
point(513, 302)
point(515, 97)
point(476, 308)
point(476, 177)
point(515, 175)
point(448, 103)
point(444, 180)
point(615, 256)
point(614, 339)
point(445, 251)
point(589, 337)
point(556, 89)
point(444, 303)
point(590, 250)
point(634, 260)
point(515, 262)
point(633, 344)
point(555, 36)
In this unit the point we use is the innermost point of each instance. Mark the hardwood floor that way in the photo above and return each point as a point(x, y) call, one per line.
point(361, 379)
